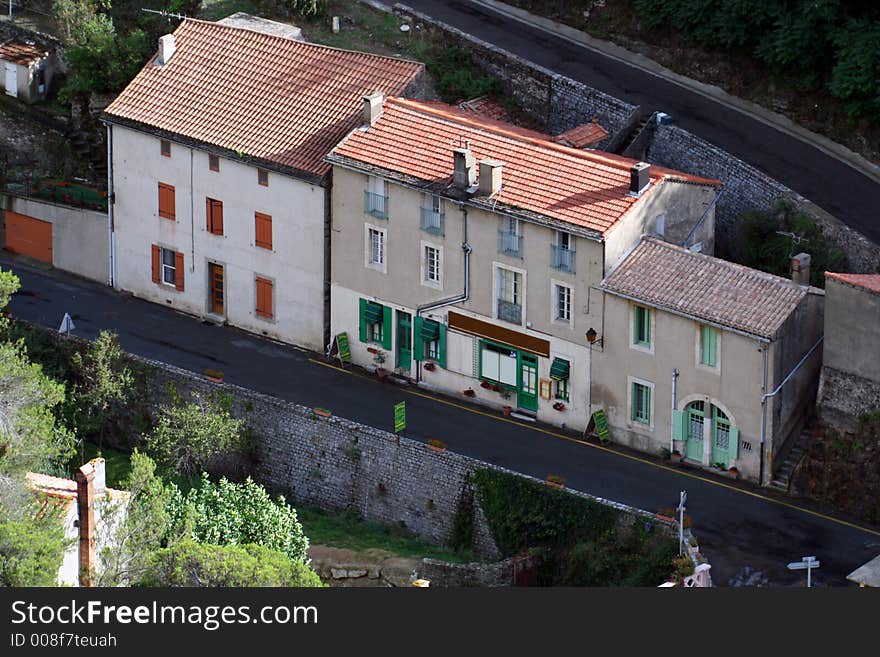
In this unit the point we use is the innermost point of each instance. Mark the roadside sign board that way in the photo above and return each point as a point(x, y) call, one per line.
point(399, 417)
point(602, 429)
point(344, 348)
point(67, 325)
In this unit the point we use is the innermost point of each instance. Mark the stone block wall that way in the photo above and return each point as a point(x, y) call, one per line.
point(843, 397)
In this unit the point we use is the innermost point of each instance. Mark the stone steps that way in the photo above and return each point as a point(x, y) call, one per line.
point(782, 478)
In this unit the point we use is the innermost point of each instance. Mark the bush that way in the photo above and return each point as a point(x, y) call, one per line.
point(31, 551)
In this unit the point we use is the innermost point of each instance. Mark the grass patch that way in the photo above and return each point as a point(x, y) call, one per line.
point(345, 530)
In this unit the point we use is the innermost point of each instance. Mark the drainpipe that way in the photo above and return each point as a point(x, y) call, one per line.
point(766, 395)
point(111, 198)
point(702, 218)
point(671, 424)
point(466, 249)
point(192, 216)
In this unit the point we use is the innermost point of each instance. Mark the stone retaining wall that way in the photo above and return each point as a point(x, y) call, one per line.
point(844, 397)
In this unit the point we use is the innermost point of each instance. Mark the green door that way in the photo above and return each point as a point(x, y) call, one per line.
point(694, 444)
point(720, 437)
point(527, 388)
point(404, 340)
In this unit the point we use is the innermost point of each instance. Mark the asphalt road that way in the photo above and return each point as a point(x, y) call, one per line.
point(743, 531)
point(836, 187)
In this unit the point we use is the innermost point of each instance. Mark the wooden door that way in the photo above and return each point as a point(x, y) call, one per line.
point(215, 273)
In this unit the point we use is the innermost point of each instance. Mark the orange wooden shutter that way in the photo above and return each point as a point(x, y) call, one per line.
point(263, 230)
point(208, 226)
point(217, 217)
point(178, 271)
point(155, 264)
point(264, 297)
point(166, 201)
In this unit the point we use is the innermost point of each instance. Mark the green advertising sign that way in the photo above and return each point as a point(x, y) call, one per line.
point(399, 417)
point(344, 348)
point(602, 429)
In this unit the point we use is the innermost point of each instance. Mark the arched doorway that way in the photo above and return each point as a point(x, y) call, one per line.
point(720, 437)
point(695, 419)
point(710, 437)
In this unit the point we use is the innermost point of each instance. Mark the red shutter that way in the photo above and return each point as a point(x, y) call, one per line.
point(264, 297)
point(155, 263)
point(208, 225)
point(217, 217)
point(166, 201)
point(178, 271)
point(263, 224)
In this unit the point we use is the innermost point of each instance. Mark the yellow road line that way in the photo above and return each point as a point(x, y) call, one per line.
point(637, 459)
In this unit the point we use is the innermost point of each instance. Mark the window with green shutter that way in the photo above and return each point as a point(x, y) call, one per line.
point(708, 346)
point(559, 373)
point(374, 317)
point(642, 326)
point(641, 403)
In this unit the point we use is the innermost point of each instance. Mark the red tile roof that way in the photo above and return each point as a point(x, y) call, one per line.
point(415, 139)
point(22, 52)
point(583, 135)
point(485, 106)
point(867, 281)
point(269, 97)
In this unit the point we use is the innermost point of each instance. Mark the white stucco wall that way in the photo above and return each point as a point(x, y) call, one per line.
point(295, 264)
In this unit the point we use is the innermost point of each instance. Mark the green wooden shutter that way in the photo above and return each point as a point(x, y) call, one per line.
point(441, 346)
point(387, 328)
point(635, 325)
point(363, 320)
point(418, 344)
point(709, 342)
point(733, 444)
point(647, 405)
point(648, 333)
point(635, 402)
point(713, 340)
point(678, 425)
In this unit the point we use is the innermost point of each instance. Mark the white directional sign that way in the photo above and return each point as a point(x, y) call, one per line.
point(67, 325)
point(806, 563)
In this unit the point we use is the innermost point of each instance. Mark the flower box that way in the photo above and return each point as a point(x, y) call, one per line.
point(322, 412)
point(559, 406)
point(216, 376)
point(430, 367)
point(469, 392)
point(436, 445)
point(555, 481)
point(486, 385)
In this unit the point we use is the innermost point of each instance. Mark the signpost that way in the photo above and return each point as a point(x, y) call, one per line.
point(682, 498)
point(399, 417)
point(806, 563)
point(343, 349)
point(67, 325)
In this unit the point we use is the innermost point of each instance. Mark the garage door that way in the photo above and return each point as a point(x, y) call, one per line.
point(28, 236)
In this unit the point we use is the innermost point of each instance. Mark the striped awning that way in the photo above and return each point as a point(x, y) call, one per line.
point(373, 313)
point(430, 330)
point(559, 369)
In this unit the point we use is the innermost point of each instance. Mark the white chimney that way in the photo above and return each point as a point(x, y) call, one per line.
point(800, 268)
point(639, 178)
point(372, 108)
point(464, 173)
point(166, 49)
point(490, 177)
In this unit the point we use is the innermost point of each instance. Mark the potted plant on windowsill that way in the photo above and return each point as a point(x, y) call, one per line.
point(559, 406)
point(469, 392)
point(430, 366)
point(486, 385)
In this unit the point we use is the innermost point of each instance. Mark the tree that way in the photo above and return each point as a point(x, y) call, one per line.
point(227, 513)
point(199, 435)
point(192, 564)
point(31, 549)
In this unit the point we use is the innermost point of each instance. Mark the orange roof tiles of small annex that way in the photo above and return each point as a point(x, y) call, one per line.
point(869, 282)
point(582, 135)
point(268, 97)
point(415, 140)
point(21, 51)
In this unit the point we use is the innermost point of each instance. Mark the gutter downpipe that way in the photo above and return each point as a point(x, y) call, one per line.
point(702, 219)
point(767, 395)
point(671, 425)
point(466, 249)
point(111, 199)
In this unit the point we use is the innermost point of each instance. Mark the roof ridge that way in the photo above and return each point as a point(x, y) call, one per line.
point(593, 156)
point(319, 46)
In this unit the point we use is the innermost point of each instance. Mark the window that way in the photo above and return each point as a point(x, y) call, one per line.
point(660, 225)
point(559, 374)
point(264, 306)
point(561, 390)
point(166, 201)
point(562, 303)
point(642, 326)
point(562, 252)
point(167, 267)
point(213, 163)
point(509, 237)
point(263, 177)
point(263, 230)
point(641, 403)
point(432, 265)
point(375, 323)
point(376, 254)
point(498, 363)
point(432, 214)
point(509, 288)
point(214, 215)
point(376, 198)
point(165, 148)
point(708, 346)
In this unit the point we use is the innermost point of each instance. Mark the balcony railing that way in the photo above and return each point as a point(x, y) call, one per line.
point(432, 221)
point(562, 258)
point(510, 243)
point(376, 205)
point(509, 312)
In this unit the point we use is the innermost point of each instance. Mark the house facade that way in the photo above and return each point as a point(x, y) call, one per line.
point(465, 250)
point(219, 193)
point(705, 357)
point(27, 66)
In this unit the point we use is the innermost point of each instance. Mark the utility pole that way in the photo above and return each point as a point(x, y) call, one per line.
point(682, 498)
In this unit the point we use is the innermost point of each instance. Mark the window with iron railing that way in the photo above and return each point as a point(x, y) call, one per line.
point(432, 221)
point(509, 312)
point(510, 243)
point(376, 205)
point(562, 258)
point(509, 287)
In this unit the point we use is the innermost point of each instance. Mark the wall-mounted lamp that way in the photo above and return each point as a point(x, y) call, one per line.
point(593, 337)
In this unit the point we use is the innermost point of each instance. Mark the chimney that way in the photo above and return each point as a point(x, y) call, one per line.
point(490, 177)
point(88, 478)
point(639, 177)
point(800, 268)
point(166, 49)
point(465, 171)
point(372, 108)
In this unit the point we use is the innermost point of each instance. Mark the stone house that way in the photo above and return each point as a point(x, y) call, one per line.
point(465, 251)
point(850, 383)
point(219, 192)
point(27, 66)
point(89, 511)
point(707, 357)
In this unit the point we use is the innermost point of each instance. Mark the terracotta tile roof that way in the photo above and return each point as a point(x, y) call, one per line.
point(583, 135)
point(52, 486)
point(867, 281)
point(415, 139)
point(272, 98)
point(709, 289)
point(22, 52)
point(485, 106)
